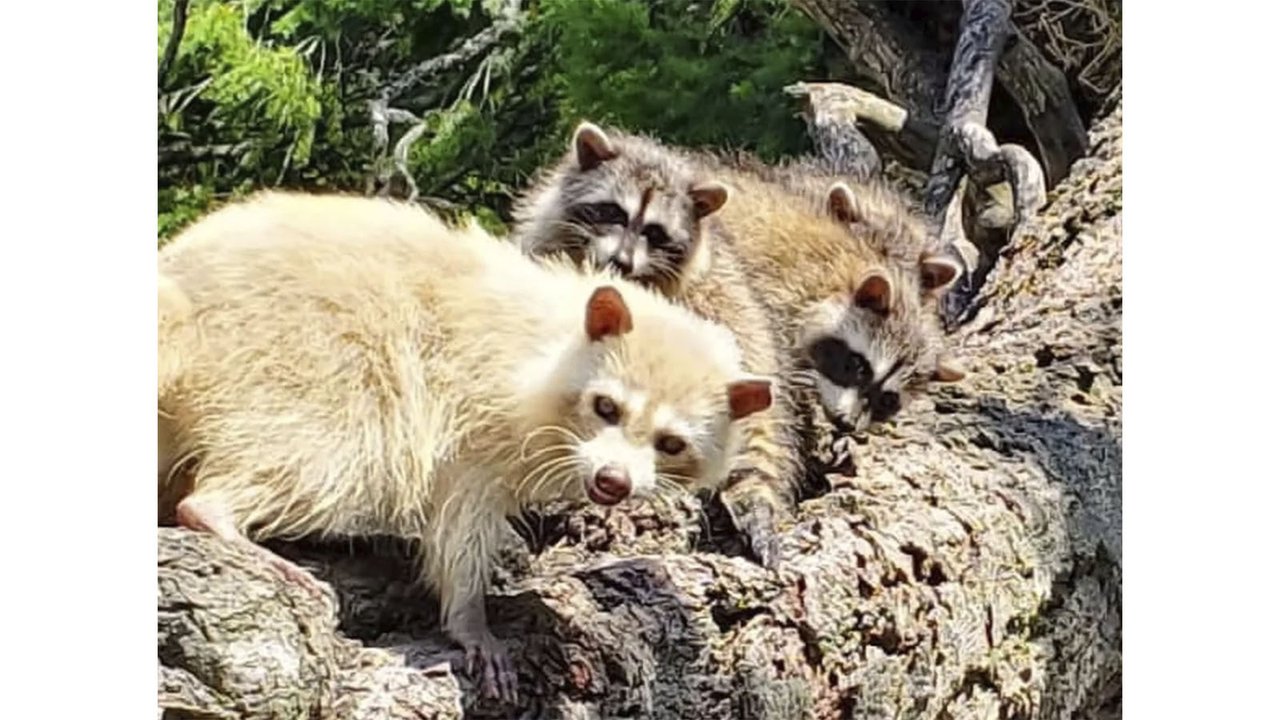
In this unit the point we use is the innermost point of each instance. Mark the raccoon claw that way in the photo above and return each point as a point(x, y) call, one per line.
point(758, 529)
point(293, 573)
point(490, 665)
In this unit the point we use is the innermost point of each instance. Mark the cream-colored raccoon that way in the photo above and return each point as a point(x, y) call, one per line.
point(347, 366)
point(623, 201)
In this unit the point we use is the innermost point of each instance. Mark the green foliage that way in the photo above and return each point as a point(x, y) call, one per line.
point(692, 74)
point(275, 92)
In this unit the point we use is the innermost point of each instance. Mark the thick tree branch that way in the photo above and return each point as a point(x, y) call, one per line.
point(984, 30)
point(969, 569)
point(966, 145)
point(894, 58)
point(1042, 93)
point(890, 59)
point(832, 112)
point(175, 38)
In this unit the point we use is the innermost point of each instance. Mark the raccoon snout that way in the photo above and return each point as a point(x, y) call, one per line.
point(610, 486)
point(622, 261)
point(840, 423)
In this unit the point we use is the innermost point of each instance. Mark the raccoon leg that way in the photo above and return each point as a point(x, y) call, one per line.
point(761, 486)
point(459, 566)
point(205, 514)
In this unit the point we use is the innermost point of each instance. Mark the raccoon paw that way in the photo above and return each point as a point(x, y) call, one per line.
point(490, 665)
point(759, 529)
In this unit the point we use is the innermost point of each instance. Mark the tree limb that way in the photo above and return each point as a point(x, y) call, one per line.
point(832, 111)
point(896, 59)
point(889, 59)
point(175, 38)
point(1041, 92)
point(969, 569)
point(966, 145)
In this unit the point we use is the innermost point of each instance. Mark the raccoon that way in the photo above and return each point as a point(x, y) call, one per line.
point(883, 218)
point(348, 366)
point(847, 300)
point(620, 201)
point(623, 202)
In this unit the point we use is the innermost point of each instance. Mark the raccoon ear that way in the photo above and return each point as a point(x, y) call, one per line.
point(749, 396)
point(841, 205)
point(607, 314)
point(708, 197)
point(874, 293)
point(937, 272)
point(948, 370)
point(591, 146)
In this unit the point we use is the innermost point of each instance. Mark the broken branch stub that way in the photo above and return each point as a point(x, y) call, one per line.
point(831, 113)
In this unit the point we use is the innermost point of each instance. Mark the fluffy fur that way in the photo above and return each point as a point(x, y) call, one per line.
point(621, 200)
point(698, 270)
point(344, 366)
point(844, 299)
point(883, 218)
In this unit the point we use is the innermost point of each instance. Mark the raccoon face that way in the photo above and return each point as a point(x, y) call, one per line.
point(624, 203)
point(867, 356)
point(647, 407)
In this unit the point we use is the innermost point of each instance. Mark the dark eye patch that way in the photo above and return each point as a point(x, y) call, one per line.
point(656, 235)
point(601, 213)
point(842, 366)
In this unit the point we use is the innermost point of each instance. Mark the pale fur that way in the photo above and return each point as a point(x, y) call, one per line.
point(349, 366)
point(709, 280)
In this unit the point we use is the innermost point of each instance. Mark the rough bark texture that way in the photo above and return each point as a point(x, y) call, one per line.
point(893, 53)
point(968, 568)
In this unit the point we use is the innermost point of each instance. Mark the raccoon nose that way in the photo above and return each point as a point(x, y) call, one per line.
point(612, 482)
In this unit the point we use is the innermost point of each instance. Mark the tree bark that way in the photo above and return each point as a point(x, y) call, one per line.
point(967, 567)
point(892, 58)
point(176, 32)
point(832, 112)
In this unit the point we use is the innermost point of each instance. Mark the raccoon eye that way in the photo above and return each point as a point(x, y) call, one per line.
point(602, 213)
point(656, 235)
point(607, 409)
point(884, 405)
point(858, 370)
point(671, 445)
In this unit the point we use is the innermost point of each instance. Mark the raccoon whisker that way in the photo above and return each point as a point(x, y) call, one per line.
point(567, 231)
point(539, 472)
point(680, 479)
point(562, 431)
point(556, 447)
point(544, 472)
